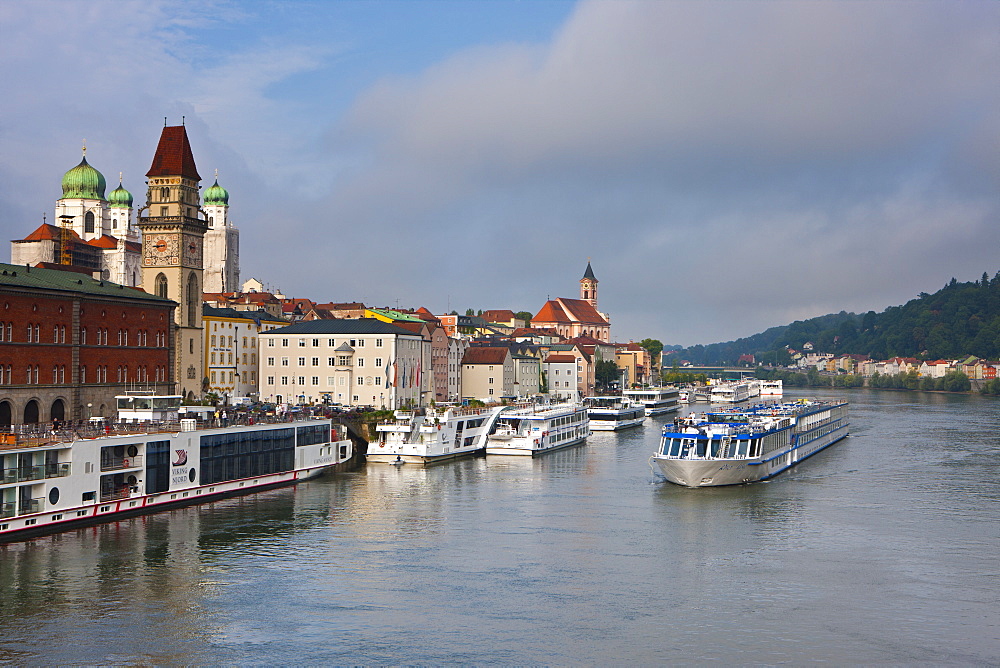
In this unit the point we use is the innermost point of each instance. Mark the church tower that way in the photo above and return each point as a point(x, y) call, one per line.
point(222, 242)
point(82, 208)
point(172, 238)
point(588, 286)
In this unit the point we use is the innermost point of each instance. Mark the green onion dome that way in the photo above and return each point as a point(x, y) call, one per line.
point(216, 195)
point(83, 182)
point(120, 198)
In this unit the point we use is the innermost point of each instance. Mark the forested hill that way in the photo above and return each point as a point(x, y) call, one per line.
point(959, 319)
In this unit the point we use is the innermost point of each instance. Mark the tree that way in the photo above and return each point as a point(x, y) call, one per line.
point(525, 316)
point(606, 373)
point(654, 346)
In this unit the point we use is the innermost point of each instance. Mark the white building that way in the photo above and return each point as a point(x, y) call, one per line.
point(361, 362)
point(222, 242)
point(563, 376)
point(527, 375)
point(456, 351)
point(88, 230)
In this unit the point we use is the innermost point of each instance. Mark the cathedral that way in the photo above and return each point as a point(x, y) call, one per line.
point(180, 244)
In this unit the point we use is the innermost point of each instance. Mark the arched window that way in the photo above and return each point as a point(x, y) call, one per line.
point(161, 285)
point(193, 299)
point(88, 222)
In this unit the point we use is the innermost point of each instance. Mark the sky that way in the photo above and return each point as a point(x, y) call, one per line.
point(725, 166)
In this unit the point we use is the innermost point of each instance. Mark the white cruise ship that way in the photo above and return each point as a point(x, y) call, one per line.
point(433, 435)
point(739, 445)
point(730, 393)
point(656, 400)
point(58, 481)
point(530, 430)
point(613, 413)
point(771, 388)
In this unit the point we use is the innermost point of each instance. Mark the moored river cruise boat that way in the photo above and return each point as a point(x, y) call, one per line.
point(433, 435)
point(771, 388)
point(530, 430)
point(57, 480)
point(730, 393)
point(740, 445)
point(613, 413)
point(656, 400)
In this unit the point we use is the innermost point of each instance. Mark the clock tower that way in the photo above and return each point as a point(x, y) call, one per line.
point(172, 237)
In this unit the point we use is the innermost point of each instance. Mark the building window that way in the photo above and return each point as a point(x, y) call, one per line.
point(270, 343)
point(315, 343)
point(491, 381)
point(332, 343)
point(330, 361)
point(491, 391)
point(361, 380)
point(284, 361)
point(284, 343)
point(315, 380)
point(315, 361)
point(378, 343)
point(378, 361)
point(284, 380)
point(88, 222)
point(302, 380)
point(361, 361)
point(270, 361)
point(302, 343)
point(343, 360)
point(302, 361)
point(161, 285)
point(270, 380)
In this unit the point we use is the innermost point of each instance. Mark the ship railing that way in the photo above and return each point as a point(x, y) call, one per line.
point(21, 437)
point(23, 473)
point(29, 506)
point(118, 463)
point(116, 494)
point(8, 509)
point(59, 470)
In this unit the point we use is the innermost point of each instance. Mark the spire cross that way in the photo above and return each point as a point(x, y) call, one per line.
point(119, 178)
point(216, 174)
point(85, 148)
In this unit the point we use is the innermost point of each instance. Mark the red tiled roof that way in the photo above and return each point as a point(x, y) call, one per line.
point(485, 355)
point(173, 155)
point(498, 315)
point(563, 310)
point(46, 232)
point(561, 358)
point(104, 241)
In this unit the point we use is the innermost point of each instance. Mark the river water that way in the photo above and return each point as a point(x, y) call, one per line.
point(883, 549)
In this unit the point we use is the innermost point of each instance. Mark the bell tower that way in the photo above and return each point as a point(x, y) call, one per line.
point(588, 286)
point(172, 239)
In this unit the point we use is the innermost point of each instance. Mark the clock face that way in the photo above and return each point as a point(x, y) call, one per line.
point(161, 248)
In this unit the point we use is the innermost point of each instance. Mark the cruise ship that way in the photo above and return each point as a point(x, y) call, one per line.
point(740, 445)
point(730, 393)
point(529, 430)
point(613, 413)
point(656, 400)
point(432, 435)
point(55, 481)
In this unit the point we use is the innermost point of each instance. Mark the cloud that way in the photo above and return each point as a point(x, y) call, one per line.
point(703, 145)
point(728, 166)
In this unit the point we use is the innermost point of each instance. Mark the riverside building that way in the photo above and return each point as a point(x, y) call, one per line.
point(362, 362)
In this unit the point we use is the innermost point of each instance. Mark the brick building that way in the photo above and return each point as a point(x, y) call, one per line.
point(69, 343)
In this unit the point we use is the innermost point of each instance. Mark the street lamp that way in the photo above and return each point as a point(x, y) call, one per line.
point(89, 406)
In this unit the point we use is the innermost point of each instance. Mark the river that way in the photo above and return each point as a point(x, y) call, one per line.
point(882, 549)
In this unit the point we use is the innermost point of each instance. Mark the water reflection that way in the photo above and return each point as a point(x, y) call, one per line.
point(873, 551)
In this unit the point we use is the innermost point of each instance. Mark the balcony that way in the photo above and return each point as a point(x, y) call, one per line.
point(117, 464)
point(23, 473)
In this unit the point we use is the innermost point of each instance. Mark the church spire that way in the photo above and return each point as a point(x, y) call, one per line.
point(588, 286)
